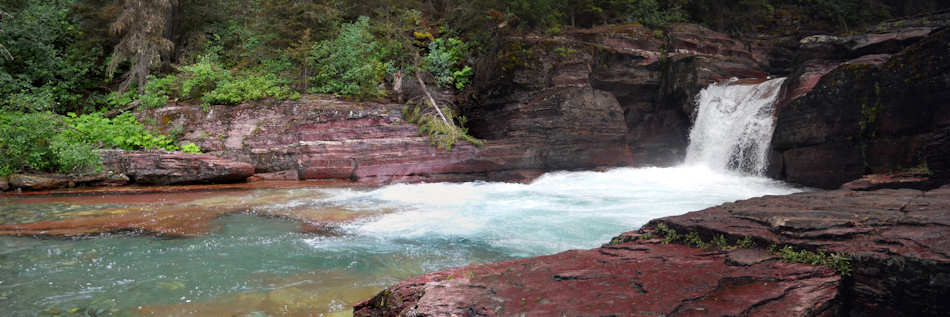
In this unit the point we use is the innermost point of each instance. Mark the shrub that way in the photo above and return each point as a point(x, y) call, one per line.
point(239, 89)
point(122, 132)
point(47, 142)
point(202, 77)
point(444, 61)
point(25, 141)
point(158, 91)
point(349, 65)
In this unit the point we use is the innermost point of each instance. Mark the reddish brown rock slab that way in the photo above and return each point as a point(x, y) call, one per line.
point(168, 168)
point(641, 278)
point(910, 179)
point(899, 239)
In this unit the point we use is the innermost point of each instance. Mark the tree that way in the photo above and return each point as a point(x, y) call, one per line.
point(142, 26)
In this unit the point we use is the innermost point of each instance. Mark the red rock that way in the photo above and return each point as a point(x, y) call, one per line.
point(915, 180)
point(166, 168)
point(898, 239)
point(38, 181)
point(871, 108)
point(324, 138)
point(630, 279)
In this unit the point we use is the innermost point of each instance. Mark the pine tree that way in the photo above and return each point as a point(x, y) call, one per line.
point(142, 26)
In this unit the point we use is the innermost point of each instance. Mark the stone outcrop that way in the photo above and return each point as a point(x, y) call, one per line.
point(326, 138)
point(38, 181)
point(643, 277)
point(863, 104)
point(654, 76)
point(898, 240)
point(168, 168)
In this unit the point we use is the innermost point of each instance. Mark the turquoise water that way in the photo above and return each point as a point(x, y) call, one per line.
point(253, 265)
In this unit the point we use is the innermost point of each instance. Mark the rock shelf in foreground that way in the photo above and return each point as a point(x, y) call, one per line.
point(899, 240)
point(643, 277)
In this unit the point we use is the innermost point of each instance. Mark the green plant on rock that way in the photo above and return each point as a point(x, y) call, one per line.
point(238, 89)
point(441, 134)
point(191, 148)
point(837, 261)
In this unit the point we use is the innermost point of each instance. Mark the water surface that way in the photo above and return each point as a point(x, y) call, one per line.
point(259, 256)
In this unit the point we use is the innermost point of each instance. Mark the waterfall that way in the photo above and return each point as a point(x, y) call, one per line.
point(734, 126)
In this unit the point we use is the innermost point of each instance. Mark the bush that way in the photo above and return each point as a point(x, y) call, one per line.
point(47, 142)
point(202, 77)
point(351, 64)
point(25, 141)
point(444, 61)
point(158, 91)
point(122, 132)
point(239, 89)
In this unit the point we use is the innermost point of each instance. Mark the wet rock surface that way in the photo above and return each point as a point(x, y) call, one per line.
point(871, 105)
point(326, 138)
point(654, 80)
point(899, 240)
point(642, 277)
point(168, 168)
point(180, 211)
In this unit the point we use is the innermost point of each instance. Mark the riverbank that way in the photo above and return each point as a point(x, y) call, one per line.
point(890, 249)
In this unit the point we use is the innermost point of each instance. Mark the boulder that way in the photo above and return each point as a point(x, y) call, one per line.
point(897, 240)
point(4, 183)
point(168, 168)
point(636, 278)
point(38, 181)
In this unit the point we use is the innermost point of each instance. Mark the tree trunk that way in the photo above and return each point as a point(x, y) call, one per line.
point(432, 100)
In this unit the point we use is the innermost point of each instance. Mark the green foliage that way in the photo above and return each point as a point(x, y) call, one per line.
point(117, 99)
point(25, 141)
point(651, 13)
point(157, 91)
point(445, 62)
point(121, 132)
point(238, 89)
point(44, 67)
point(191, 148)
point(349, 65)
point(837, 261)
point(441, 134)
point(202, 77)
point(43, 141)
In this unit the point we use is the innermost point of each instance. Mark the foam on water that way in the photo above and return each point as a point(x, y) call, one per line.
point(558, 211)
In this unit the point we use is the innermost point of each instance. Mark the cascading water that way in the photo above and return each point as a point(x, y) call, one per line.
point(734, 126)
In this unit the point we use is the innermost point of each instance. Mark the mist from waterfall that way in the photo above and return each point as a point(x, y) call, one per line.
point(734, 126)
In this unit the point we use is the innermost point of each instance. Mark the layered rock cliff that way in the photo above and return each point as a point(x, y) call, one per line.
point(869, 103)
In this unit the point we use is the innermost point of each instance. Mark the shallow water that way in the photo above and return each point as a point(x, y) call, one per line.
point(245, 264)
